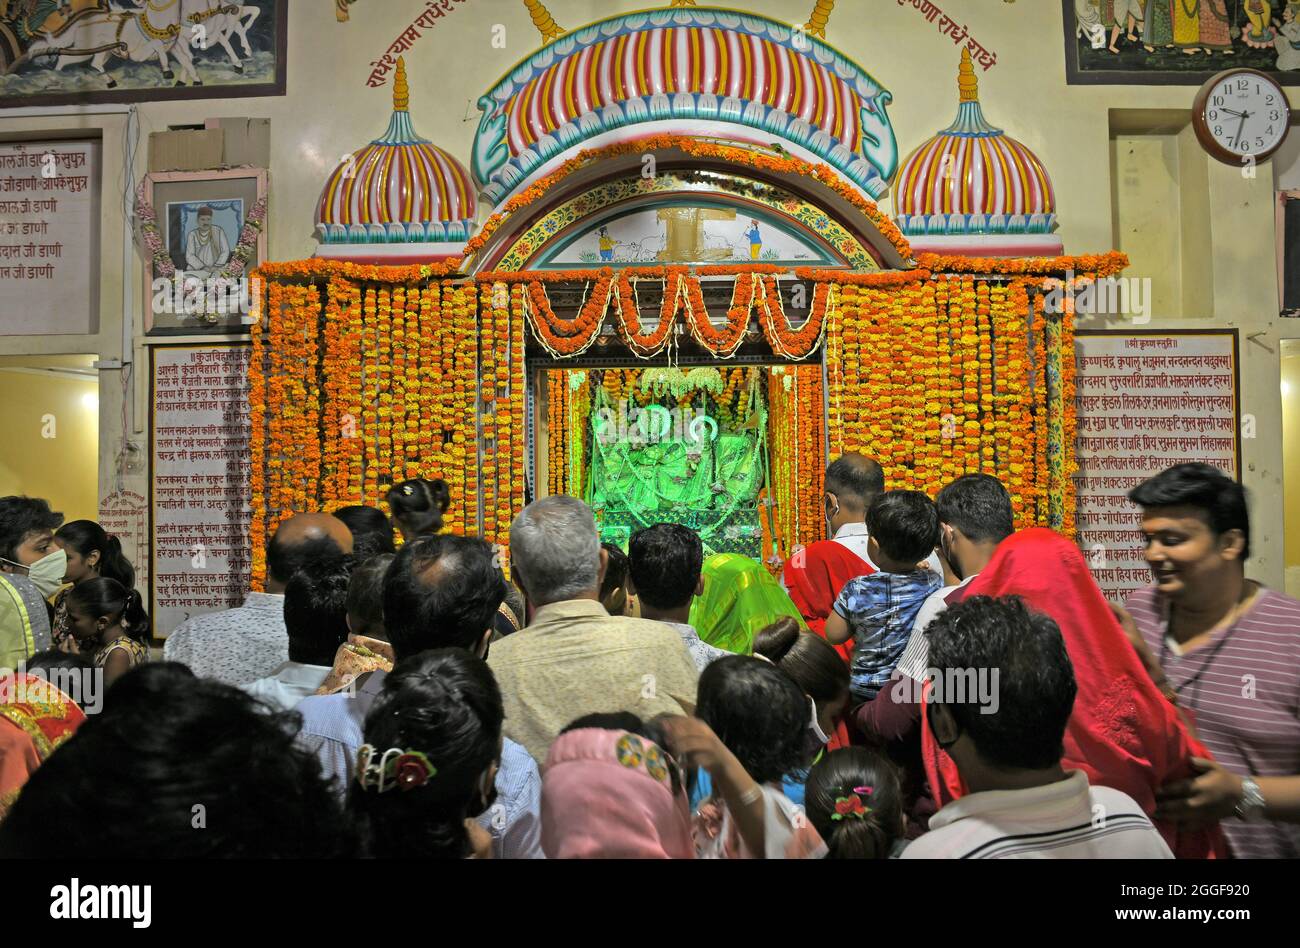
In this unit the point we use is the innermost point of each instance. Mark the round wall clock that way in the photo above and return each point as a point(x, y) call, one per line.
point(1241, 115)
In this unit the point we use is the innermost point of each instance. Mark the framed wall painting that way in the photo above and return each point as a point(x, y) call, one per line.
point(81, 52)
point(1179, 42)
point(201, 233)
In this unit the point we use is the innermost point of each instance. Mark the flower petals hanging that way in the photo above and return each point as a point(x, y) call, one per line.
point(785, 341)
point(565, 338)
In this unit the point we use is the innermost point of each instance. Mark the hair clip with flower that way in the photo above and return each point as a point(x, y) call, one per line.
point(404, 769)
point(850, 807)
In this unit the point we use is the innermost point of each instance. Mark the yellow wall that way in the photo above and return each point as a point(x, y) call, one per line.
point(61, 468)
point(1224, 222)
point(1291, 450)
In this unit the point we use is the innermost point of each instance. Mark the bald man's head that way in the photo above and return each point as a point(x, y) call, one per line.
point(856, 481)
point(300, 541)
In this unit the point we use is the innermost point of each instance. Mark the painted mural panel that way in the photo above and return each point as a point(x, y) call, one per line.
point(1185, 42)
point(84, 51)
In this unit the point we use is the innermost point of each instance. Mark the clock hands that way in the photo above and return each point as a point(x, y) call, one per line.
point(1240, 129)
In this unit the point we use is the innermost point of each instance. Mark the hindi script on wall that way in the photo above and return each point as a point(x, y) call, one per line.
point(200, 489)
point(1146, 401)
point(49, 237)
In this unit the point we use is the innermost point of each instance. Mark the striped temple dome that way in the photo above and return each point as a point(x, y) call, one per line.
point(973, 179)
point(400, 188)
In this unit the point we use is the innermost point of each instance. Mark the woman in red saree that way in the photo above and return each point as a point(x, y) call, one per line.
point(35, 718)
point(814, 577)
point(1123, 733)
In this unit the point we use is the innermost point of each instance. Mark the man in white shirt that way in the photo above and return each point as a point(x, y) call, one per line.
point(240, 645)
point(316, 618)
point(664, 572)
point(1007, 743)
point(207, 248)
point(853, 482)
point(975, 515)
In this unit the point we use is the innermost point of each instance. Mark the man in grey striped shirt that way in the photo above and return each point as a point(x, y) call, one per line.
point(1231, 652)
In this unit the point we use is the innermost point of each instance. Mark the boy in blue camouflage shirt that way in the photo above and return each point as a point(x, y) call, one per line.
point(877, 610)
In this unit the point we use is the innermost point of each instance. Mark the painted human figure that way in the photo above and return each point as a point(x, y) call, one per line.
point(1287, 42)
point(1159, 27)
point(755, 240)
point(1187, 26)
point(1128, 15)
point(1260, 34)
point(207, 249)
point(1088, 16)
point(606, 244)
point(1216, 27)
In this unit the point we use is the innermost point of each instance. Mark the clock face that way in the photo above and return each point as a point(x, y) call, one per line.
point(1246, 115)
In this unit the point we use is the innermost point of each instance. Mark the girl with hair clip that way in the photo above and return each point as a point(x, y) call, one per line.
point(418, 506)
point(108, 621)
point(429, 764)
point(91, 552)
point(822, 675)
point(852, 798)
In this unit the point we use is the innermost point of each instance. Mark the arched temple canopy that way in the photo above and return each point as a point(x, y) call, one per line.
point(696, 71)
point(820, 212)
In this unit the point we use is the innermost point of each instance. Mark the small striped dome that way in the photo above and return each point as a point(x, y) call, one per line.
point(973, 178)
point(400, 188)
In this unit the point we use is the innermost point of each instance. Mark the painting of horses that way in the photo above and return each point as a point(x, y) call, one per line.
point(1179, 42)
point(64, 52)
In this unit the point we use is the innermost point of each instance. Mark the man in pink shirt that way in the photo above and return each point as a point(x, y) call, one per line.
point(1230, 650)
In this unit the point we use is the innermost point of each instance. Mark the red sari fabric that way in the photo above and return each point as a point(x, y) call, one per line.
point(1122, 733)
point(35, 718)
point(814, 579)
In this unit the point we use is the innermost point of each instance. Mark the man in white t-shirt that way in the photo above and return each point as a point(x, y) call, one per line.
point(853, 482)
point(1006, 738)
point(975, 515)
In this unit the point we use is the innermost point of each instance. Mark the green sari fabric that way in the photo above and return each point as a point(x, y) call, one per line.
point(740, 597)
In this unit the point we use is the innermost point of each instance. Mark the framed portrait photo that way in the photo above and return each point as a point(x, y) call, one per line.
point(201, 234)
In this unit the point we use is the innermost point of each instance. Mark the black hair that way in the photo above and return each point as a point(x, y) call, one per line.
point(372, 532)
point(316, 611)
point(664, 562)
point(49, 663)
point(102, 596)
point(419, 504)
point(757, 711)
point(651, 730)
point(856, 476)
point(840, 774)
point(441, 591)
point(615, 570)
point(365, 601)
point(284, 559)
point(1035, 684)
point(19, 518)
point(904, 524)
point(977, 505)
point(86, 536)
point(806, 657)
point(178, 767)
point(445, 704)
point(1221, 499)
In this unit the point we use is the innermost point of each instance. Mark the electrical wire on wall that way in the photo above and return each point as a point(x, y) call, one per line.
point(125, 462)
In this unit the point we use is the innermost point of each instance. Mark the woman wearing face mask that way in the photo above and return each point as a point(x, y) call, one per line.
point(109, 622)
point(429, 764)
point(823, 677)
point(91, 552)
point(31, 571)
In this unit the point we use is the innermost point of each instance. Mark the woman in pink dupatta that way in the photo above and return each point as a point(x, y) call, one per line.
point(1123, 733)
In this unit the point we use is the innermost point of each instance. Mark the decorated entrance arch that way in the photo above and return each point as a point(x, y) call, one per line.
point(683, 227)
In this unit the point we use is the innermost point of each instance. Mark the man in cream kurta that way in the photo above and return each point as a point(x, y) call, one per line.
point(207, 248)
point(574, 658)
